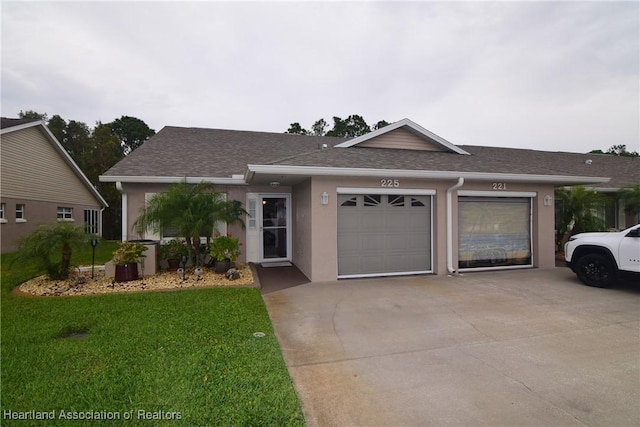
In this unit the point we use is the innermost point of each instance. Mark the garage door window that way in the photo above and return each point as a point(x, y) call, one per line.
point(494, 232)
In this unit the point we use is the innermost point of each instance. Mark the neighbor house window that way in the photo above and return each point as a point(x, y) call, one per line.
point(3, 219)
point(20, 215)
point(65, 214)
point(91, 221)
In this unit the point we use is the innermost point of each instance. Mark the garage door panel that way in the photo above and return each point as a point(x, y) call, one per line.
point(385, 234)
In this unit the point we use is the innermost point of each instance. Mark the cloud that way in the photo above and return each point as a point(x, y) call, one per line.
point(545, 75)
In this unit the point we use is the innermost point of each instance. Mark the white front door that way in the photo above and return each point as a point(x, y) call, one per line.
point(275, 230)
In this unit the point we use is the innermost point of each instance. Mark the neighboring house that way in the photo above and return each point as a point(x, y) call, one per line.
point(39, 183)
point(399, 200)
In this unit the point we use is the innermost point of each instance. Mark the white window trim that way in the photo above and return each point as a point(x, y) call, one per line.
point(22, 219)
point(64, 219)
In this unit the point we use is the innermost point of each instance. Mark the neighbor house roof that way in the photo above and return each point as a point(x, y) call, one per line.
point(9, 125)
point(239, 156)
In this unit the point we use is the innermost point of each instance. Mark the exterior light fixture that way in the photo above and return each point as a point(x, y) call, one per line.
point(324, 198)
point(548, 200)
point(94, 243)
point(274, 184)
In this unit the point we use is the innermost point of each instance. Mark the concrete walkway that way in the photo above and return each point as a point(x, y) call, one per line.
point(526, 347)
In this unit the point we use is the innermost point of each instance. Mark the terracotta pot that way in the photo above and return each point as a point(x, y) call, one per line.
point(126, 272)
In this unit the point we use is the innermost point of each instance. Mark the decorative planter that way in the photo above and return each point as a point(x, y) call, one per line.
point(126, 272)
point(222, 266)
point(174, 264)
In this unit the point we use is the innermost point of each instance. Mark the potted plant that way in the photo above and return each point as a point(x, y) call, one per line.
point(224, 250)
point(173, 251)
point(126, 259)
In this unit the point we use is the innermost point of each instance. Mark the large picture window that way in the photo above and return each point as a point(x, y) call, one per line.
point(494, 232)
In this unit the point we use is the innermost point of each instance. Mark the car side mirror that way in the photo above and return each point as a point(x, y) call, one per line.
point(634, 233)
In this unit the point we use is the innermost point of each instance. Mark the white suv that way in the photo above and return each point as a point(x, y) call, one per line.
point(599, 259)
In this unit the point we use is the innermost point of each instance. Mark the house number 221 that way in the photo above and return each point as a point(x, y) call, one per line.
point(389, 183)
point(499, 185)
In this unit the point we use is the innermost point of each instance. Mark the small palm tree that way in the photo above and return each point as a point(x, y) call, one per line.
point(49, 240)
point(191, 209)
point(576, 212)
point(630, 197)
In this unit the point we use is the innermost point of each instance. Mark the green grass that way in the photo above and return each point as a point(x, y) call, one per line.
point(189, 352)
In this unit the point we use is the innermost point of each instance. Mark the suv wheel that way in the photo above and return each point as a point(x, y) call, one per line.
point(595, 270)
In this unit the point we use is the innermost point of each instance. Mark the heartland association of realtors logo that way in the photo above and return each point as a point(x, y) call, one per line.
point(137, 414)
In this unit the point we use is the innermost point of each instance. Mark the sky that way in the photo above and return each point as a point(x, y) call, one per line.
point(556, 76)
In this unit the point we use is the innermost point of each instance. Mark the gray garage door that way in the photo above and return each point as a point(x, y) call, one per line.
point(380, 234)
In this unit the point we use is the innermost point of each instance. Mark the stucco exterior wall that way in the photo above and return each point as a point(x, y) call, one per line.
point(302, 232)
point(314, 225)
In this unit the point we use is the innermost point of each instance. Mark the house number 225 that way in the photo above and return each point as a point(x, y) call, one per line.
point(389, 183)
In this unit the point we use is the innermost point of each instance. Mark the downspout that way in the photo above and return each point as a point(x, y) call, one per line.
point(124, 211)
point(450, 225)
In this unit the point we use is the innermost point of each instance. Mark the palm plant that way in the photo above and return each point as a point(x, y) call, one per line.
point(576, 212)
point(630, 197)
point(49, 240)
point(191, 209)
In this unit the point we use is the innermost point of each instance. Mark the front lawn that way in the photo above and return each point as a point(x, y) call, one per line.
point(185, 357)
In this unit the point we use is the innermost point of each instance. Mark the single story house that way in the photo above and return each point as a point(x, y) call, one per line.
point(399, 200)
point(39, 183)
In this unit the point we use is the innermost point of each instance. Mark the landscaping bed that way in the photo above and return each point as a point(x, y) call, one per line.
point(80, 283)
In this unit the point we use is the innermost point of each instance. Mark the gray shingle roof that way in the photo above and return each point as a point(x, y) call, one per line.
point(177, 152)
point(198, 152)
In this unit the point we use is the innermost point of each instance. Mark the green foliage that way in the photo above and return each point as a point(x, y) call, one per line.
point(30, 114)
point(617, 150)
point(192, 210)
point(225, 247)
point(173, 249)
point(297, 129)
point(630, 197)
point(132, 132)
point(189, 351)
point(576, 210)
point(129, 253)
point(352, 126)
point(49, 241)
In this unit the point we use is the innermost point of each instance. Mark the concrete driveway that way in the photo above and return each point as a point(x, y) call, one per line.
point(521, 347)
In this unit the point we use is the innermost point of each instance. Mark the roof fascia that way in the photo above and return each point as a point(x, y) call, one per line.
point(234, 180)
point(22, 126)
point(252, 170)
point(65, 156)
point(396, 125)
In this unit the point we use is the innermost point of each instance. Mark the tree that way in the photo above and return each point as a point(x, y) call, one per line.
point(319, 128)
point(192, 210)
point(30, 114)
point(352, 126)
point(630, 197)
point(617, 150)
point(47, 241)
point(295, 128)
point(576, 210)
point(131, 131)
